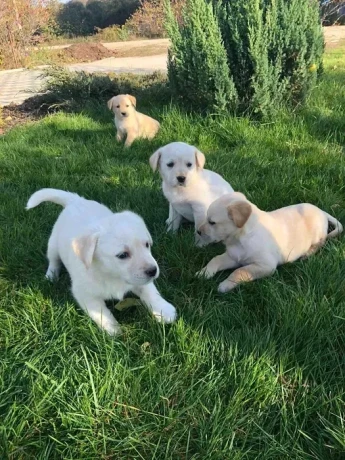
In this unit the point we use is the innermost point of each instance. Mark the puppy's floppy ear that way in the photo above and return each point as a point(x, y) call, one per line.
point(84, 247)
point(132, 99)
point(110, 103)
point(239, 212)
point(200, 159)
point(155, 159)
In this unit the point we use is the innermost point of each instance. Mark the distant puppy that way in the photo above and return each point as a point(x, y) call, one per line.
point(106, 255)
point(259, 241)
point(189, 188)
point(130, 122)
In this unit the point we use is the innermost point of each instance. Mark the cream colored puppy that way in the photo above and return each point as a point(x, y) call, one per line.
point(130, 122)
point(189, 188)
point(259, 241)
point(105, 254)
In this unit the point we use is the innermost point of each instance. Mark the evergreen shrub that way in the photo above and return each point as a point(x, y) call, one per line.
point(248, 57)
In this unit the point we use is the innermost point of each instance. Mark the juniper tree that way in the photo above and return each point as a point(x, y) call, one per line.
point(197, 62)
point(273, 50)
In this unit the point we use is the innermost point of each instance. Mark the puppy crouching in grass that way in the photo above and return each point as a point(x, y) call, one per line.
point(188, 187)
point(130, 123)
point(257, 242)
point(106, 255)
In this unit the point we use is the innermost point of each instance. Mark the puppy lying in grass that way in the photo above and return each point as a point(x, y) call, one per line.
point(189, 188)
point(106, 254)
point(129, 122)
point(259, 241)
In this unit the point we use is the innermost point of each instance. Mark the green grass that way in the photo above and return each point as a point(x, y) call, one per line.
point(254, 374)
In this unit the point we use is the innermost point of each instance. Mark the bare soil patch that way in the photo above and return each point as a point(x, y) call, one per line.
point(14, 115)
point(87, 52)
point(76, 53)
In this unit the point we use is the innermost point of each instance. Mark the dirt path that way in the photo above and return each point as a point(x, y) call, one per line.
point(334, 36)
point(140, 64)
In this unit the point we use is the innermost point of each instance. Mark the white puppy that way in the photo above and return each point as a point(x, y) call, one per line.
point(106, 255)
point(130, 122)
point(259, 241)
point(189, 188)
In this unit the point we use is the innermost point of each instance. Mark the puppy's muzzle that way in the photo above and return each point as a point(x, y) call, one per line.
point(151, 272)
point(201, 230)
point(124, 114)
point(181, 180)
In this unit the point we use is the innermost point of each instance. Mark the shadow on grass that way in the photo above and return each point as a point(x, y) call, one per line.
point(325, 114)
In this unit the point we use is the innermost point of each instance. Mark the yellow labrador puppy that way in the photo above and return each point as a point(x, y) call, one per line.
point(259, 241)
point(189, 188)
point(106, 255)
point(129, 122)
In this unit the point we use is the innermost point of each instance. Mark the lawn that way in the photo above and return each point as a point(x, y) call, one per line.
point(258, 373)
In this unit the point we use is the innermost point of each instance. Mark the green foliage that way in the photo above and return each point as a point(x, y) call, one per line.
point(113, 33)
point(274, 51)
point(197, 63)
point(74, 90)
point(75, 19)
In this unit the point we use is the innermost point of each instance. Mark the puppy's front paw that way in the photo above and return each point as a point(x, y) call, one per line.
point(128, 143)
point(112, 328)
point(226, 286)
point(118, 137)
point(170, 226)
point(201, 240)
point(204, 273)
point(52, 275)
point(164, 312)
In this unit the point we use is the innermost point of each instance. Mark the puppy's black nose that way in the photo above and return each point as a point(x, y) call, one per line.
point(151, 272)
point(181, 179)
point(198, 232)
point(123, 113)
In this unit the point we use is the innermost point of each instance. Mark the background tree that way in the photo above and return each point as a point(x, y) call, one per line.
point(148, 20)
point(83, 17)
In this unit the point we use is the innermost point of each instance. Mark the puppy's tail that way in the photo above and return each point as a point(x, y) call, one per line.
point(338, 228)
point(51, 194)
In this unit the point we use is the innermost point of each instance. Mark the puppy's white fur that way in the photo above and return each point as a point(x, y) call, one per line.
point(93, 243)
point(129, 122)
point(259, 241)
point(190, 199)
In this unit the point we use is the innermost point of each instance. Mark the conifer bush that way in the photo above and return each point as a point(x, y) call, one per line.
point(249, 56)
point(198, 70)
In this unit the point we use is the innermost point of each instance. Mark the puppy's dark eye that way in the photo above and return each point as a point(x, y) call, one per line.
point(117, 106)
point(171, 164)
point(127, 105)
point(211, 222)
point(123, 255)
point(189, 165)
point(147, 245)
